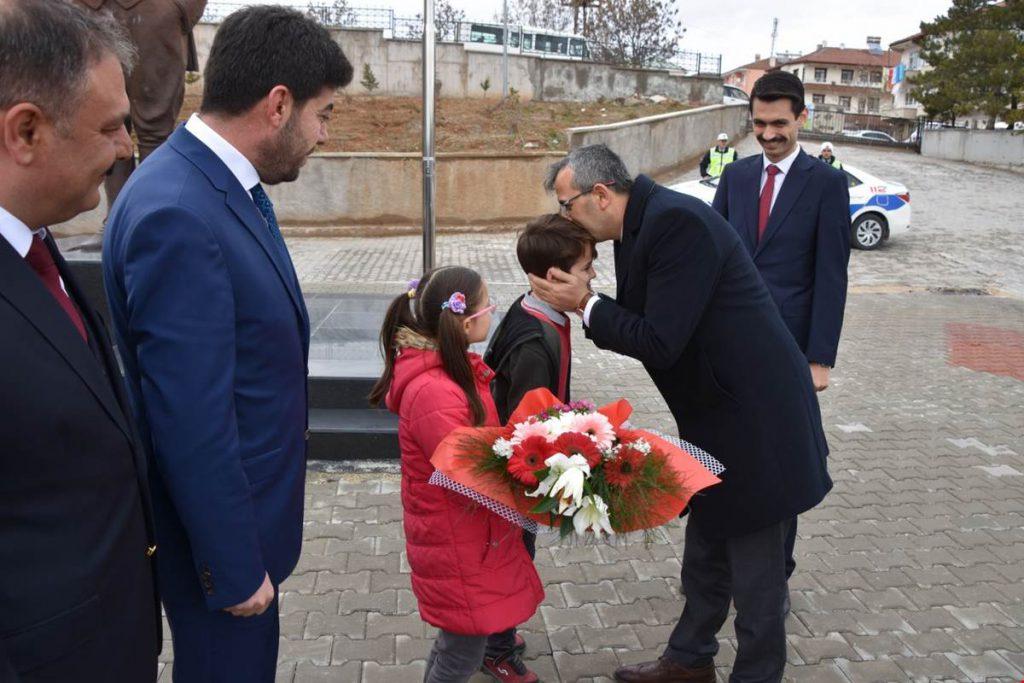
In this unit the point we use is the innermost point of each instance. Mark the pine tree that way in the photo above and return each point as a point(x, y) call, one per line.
point(976, 54)
point(369, 80)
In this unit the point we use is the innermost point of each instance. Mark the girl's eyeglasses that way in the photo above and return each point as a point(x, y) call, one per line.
point(491, 308)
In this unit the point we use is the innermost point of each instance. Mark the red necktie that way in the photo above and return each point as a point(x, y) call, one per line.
point(41, 260)
point(764, 207)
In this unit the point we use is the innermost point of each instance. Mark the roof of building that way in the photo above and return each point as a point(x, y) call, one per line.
point(850, 56)
point(761, 65)
point(909, 39)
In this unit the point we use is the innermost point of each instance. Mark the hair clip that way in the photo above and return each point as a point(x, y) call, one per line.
point(412, 287)
point(456, 303)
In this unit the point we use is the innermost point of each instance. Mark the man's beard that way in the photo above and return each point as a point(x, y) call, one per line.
point(281, 159)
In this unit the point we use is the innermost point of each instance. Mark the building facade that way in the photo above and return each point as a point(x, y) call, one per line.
point(744, 77)
point(854, 81)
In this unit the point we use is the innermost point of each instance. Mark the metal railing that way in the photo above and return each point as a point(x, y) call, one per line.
point(411, 28)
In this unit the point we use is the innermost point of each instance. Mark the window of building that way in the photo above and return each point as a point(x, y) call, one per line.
point(818, 98)
point(911, 102)
point(873, 105)
point(862, 76)
point(862, 105)
point(820, 75)
point(847, 76)
point(844, 102)
point(876, 76)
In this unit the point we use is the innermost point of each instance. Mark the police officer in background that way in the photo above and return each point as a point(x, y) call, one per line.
point(717, 158)
point(827, 155)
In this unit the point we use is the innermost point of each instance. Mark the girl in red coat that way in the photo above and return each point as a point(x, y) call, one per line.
point(471, 572)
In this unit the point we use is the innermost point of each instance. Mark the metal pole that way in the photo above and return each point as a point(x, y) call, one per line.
point(504, 50)
point(428, 134)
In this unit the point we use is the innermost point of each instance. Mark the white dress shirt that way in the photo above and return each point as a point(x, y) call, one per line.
point(236, 162)
point(780, 177)
point(20, 237)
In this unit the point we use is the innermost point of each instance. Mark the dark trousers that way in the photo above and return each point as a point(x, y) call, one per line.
point(502, 643)
point(454, 658)
point(216, 647)
point(749, 571)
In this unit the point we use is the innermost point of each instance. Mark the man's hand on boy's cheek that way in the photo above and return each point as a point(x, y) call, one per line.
point(561, 290)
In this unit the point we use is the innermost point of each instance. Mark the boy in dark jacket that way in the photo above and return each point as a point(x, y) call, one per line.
point(531, 348)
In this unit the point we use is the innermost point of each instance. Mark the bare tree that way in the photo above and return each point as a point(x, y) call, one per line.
point(446, 23)
point(338, 13)
point(638, 33)
point(549, 14)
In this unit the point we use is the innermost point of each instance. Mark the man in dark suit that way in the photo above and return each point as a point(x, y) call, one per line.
point(77, 597)
point(215, 338)
point(792, 214)
point(691, 306)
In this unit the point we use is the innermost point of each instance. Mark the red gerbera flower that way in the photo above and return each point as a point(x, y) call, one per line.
point(527, 458)
point(623, 469)
point(574, 443)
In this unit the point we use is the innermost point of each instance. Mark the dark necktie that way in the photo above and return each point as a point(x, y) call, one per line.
point(764, 207)
point(266, 208)
point(41, 261)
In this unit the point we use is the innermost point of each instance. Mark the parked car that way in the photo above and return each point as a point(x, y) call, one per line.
point(878, 208)
point(733, 95)
point(875, 135)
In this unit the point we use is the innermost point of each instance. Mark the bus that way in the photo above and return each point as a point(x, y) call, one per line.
point(524, 40)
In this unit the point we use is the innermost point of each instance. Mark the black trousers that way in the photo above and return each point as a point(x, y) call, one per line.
point(749, 571)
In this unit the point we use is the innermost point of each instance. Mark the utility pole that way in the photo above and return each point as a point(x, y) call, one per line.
point(428, 135)
point(775, 34)
point(504, 50)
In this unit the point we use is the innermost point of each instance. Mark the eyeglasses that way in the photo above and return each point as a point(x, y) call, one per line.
point(567, 203)
point(490, 308)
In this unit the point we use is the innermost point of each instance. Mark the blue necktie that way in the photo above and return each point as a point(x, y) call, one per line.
point(266, 208)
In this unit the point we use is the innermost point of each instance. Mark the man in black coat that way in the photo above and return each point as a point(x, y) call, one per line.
point(77, 596)
point(691, 306)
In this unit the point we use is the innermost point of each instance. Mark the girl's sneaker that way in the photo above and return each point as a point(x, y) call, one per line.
point(509, 668)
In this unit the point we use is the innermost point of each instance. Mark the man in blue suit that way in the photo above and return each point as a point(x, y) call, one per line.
point(792, 214)
point(214, 336)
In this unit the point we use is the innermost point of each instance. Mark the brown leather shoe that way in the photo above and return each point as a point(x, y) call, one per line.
point(664, 670)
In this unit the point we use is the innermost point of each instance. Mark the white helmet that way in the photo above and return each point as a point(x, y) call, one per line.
point(722, 137)
point(826, 145)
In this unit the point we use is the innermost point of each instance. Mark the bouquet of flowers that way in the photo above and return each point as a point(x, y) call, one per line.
point(571, 466)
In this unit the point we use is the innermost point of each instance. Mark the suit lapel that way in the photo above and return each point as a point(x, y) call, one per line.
point(101, 340)
point(750, 190)
point(241, 204)
point(792, 187)
point(23, 289)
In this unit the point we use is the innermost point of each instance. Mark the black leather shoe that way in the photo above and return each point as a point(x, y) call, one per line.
point(664, 670)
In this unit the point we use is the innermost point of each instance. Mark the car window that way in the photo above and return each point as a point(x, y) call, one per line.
point(852, 179)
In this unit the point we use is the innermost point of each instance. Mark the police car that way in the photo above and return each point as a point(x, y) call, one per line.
point(878, 208)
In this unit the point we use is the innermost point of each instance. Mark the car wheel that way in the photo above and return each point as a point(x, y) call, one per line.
point(868, 231)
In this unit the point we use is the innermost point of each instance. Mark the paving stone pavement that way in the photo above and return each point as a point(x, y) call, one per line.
point(912, 568)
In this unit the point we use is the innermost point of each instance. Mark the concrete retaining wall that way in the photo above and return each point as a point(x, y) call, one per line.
point(472, 188)
point(656, 144)
point(397, 66)
point(997, 147)
point(387, 189)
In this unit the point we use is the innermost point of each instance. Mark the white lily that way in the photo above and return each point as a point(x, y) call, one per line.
point(566, 475)
point(592, 516)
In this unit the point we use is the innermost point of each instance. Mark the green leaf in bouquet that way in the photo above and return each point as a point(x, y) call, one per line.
point(566, 527)
point(546, 504)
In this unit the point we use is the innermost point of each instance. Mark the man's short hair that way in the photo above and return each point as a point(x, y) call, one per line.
point(776, 85)
point(46, 50)
point(590, 165)
point(261, 47)
point(551, 241)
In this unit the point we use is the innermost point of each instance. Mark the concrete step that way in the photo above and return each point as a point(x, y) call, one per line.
point(340, 392)
point(353, 434)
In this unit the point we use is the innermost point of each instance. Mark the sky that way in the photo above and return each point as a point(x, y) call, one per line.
point(740, 29)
